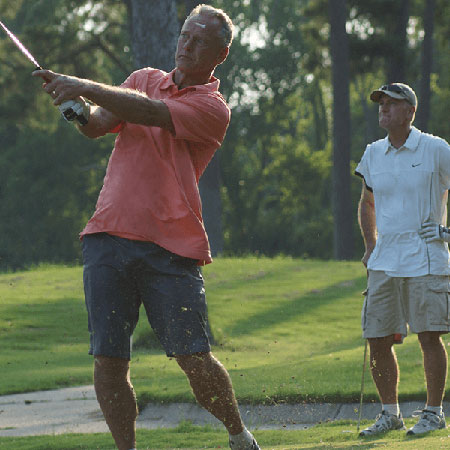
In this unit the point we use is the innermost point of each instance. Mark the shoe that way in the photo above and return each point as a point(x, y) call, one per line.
point(253, 446)
point(384, 422)
point(428, 421)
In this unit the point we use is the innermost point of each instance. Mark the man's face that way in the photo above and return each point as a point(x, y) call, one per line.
point(394, 113)
point(199, 48)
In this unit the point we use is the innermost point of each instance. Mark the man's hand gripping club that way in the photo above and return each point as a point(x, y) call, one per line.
point(66, 93)
point(432, 231)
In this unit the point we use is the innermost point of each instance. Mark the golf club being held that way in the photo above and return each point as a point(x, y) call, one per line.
point(71, 109)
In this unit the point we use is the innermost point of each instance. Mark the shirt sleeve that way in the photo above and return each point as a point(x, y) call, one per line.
point(130, 83)
point(362, 169)
point(198, 117)
point(444, 163)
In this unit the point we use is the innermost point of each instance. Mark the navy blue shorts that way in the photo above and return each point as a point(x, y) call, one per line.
point(121, 274)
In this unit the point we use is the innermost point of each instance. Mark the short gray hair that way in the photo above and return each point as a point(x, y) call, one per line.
point(226, 33)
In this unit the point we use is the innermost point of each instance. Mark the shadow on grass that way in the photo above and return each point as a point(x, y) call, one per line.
point(41, 324)
point(296, 307)
point(341, 447)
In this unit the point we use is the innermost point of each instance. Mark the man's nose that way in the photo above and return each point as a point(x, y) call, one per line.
point(188, 44)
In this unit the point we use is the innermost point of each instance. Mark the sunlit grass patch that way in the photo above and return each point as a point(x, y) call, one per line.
point(286, 329)
point(336, 435)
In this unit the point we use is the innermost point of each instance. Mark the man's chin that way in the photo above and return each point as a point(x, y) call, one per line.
point(183, 66)
point(383, 124)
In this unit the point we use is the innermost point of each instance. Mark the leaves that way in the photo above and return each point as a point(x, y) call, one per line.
point(276, 158)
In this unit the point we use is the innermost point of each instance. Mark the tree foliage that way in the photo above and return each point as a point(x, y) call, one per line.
point(49, 173)
point(276, 161)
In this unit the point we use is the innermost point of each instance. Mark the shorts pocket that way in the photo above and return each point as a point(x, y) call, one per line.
point(363, 312)
point(438, 306)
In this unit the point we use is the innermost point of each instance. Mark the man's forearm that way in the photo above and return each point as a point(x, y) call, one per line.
point(122, 104)
point(367, 223)
point(127, 104)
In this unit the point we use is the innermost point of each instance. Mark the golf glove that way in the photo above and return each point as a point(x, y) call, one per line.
point(432, 231)
point(75, 110)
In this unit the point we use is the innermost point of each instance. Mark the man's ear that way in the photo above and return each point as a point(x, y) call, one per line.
point(222, 56)
point(411, 113)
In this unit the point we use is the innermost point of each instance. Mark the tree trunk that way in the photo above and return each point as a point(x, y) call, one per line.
point(423, 112)
point(397, 38)
point(342, 205)
point(369, 117)
point(209, 186)
point(154, 31)
point(189, 5)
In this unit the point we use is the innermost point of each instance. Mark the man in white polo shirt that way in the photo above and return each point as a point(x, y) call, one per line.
point(402, 214)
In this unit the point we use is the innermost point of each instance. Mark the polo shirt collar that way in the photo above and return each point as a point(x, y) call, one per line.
point(167, 82)
point(411, 143)
point(211, 86)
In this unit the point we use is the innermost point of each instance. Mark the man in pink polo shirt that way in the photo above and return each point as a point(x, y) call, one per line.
point(146, 239)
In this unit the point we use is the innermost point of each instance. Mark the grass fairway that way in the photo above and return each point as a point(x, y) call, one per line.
point(336, 435)
point(288, 330)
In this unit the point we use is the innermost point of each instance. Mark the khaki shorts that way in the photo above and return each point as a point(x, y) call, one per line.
point(394, 303)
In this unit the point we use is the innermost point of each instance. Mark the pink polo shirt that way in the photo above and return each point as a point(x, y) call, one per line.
point(150, 191)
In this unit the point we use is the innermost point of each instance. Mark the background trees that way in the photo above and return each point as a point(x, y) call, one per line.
point(272, 178)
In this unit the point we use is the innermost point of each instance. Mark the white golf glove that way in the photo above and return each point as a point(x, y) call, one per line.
point(75, 110)
point(432, 231)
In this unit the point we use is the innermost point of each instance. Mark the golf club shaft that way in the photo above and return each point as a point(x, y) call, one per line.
point(364, 360)
point(362, 384)
point(19, 45)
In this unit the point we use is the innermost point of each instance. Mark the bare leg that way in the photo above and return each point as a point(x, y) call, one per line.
point(435, 364)
point(384, 367)
point(117, 399)
point(212, 388)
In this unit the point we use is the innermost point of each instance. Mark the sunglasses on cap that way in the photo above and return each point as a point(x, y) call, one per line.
point(393, 88)
point(398, 90)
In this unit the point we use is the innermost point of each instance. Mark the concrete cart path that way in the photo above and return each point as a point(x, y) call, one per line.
point(75, 410)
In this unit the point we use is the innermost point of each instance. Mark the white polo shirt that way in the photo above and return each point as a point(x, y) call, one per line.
point(410, 185)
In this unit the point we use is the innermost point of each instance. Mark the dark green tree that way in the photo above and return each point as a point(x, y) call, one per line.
point(49, 174)
point(276, 161)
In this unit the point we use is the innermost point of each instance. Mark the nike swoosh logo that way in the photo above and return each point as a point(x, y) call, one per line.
point(415, 165)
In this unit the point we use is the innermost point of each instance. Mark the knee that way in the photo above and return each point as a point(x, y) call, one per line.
point(430, 339)
point(381, 346)
point(196, 363)
point(109, 372)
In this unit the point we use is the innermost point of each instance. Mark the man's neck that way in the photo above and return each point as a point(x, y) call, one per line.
point(183, 80)
point(398, 137)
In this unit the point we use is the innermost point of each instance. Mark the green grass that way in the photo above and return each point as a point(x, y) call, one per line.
point(42, 330)
point(336, 435)
point(287, 329)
